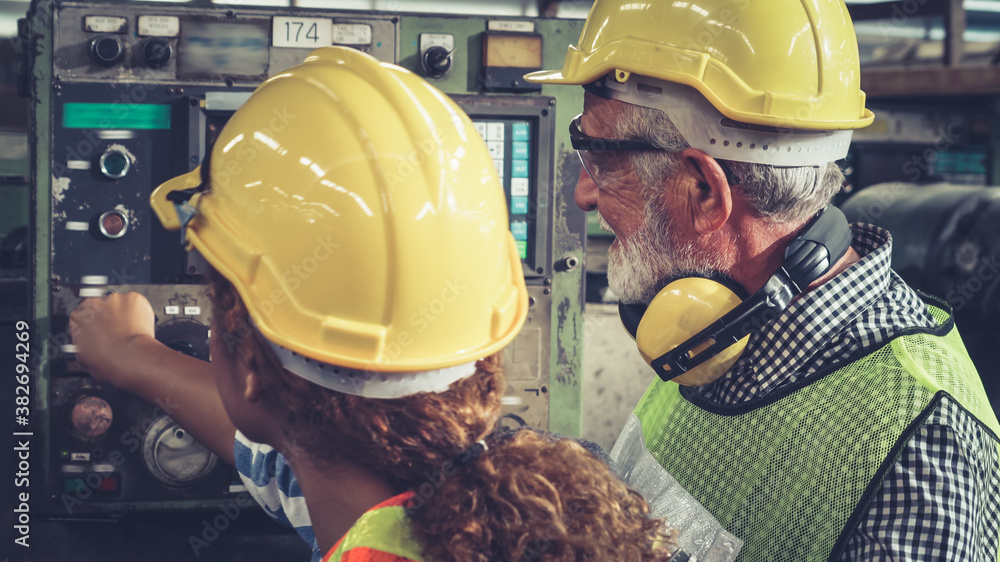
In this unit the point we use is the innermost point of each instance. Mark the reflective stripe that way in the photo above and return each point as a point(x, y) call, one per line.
point(701, 535)
point(383, 529)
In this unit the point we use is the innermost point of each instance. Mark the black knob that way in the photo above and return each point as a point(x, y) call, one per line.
point(156, 51)
point(437, 61)
point(107, 50)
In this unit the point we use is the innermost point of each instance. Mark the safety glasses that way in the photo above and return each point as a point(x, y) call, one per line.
point(601, 158)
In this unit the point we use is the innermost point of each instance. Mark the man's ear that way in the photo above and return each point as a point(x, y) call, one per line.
point(709, 196)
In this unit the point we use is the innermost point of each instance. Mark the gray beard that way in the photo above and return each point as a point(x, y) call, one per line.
point(639, 268)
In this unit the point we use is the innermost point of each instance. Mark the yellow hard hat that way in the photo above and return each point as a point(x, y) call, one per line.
point(783, 64)
point(360, 217)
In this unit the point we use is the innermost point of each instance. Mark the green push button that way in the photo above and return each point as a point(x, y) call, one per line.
point(519, 150)
point(519, 229)
point(74, 485)
point(522, 249)
point(519, 131)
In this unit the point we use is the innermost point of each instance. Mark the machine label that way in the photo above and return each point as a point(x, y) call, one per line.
point(159, 26)
point(301, 33)
point(352, 34)
point(504, 25)
point(105, 24)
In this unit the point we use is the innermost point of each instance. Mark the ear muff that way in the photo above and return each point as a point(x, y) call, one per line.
point(678, 313)
point(695, 329)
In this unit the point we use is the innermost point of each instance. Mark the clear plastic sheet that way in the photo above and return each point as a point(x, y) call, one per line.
point(701, 536)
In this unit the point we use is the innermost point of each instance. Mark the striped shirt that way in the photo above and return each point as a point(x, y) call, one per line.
point(270, 481)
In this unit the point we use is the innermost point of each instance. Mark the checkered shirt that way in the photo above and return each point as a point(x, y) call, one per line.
point(925, 510)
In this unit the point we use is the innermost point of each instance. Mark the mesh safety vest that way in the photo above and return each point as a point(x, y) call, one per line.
point(793, 474)
point(382, 534)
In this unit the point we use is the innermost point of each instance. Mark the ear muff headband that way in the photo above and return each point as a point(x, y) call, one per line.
point(811, 255)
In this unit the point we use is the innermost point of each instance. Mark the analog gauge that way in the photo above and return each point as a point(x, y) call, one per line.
point(91, 417)
point(173, 455)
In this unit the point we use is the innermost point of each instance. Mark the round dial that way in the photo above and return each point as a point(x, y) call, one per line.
point(173, 455)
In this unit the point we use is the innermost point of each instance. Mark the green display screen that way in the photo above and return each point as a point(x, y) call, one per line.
point(115, 116)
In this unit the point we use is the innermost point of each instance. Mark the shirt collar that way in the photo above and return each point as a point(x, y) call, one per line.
point(786, 346)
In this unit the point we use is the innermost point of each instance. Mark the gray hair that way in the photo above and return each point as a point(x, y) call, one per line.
point(782, 194)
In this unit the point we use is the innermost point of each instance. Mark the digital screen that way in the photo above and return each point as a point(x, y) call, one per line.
point(213, 48)
point(115, 116)
point(509, 142)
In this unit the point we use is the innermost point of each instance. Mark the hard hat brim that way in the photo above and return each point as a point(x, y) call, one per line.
point(552, 77)
point(164, 209)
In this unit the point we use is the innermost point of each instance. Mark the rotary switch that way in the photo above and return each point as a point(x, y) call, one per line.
point(156, 51)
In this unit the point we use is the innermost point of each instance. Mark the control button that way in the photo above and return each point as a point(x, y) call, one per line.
point(519, 187)
point(520, 150)
point(520, 131)
point(91, 416)
point(519, 229)
point(108, 484)
point(436, 61)
point(74, 485)
point(496, 149)
point(156, 51)
point(494, 131)
point(519, 169)
point(107, 50)
point(518, 205)
point(113, 224)
point(115, 163)
point(480, 128)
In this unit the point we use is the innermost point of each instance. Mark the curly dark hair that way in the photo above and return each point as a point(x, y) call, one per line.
point(528, 496)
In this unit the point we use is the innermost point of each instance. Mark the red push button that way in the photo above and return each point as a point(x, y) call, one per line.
point(113, 224)
point(109, 484)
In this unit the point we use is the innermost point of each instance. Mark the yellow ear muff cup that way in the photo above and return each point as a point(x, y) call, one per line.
point(678, 312)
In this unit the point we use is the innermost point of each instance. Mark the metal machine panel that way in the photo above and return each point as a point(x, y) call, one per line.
point(122, 100)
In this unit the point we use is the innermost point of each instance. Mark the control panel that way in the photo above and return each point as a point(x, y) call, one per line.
point(126, 96)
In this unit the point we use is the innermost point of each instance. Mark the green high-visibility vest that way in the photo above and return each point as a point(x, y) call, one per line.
point(792, 474)
point(381, 530)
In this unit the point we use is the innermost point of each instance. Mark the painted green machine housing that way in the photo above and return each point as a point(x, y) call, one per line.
point(568, 221)
point(567, 224)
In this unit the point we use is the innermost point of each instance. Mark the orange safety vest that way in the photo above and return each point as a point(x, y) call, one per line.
point(382, 534)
